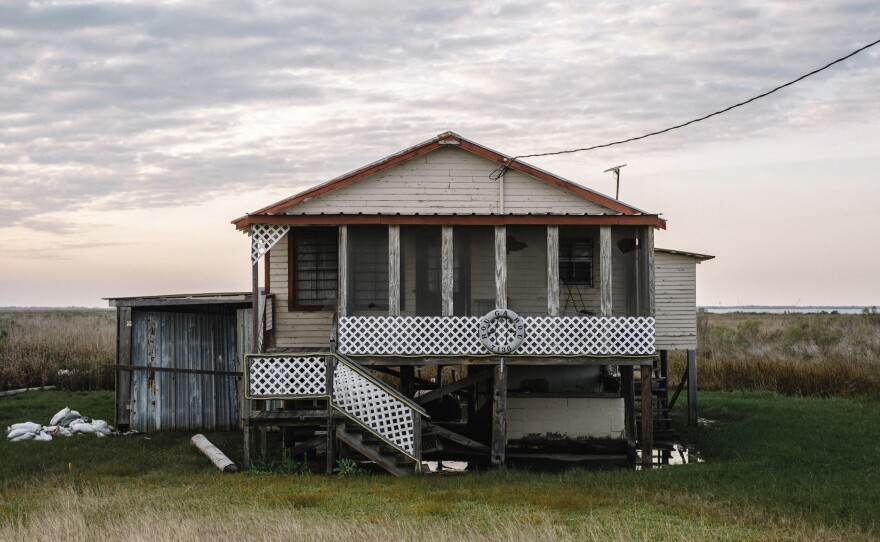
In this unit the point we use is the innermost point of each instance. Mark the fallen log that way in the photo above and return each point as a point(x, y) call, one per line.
point(213, 453)
point(22, 390)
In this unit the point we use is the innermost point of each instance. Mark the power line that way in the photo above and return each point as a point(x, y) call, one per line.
point(501, 170)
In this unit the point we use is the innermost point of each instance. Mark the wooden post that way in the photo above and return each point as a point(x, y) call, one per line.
point(664, 365)
point(650, 302)
point(692, 387)
point(605, 270)
point(123, 357)
point(407, 380)
point(500, 267)
point(417, 439)
point(331, 423)
point(447, 287)
point(627, 389)
point(553, 270)
point(342, 280)
point(647, 416)
point(255, 307)
point(499, 416)
point(393, 270)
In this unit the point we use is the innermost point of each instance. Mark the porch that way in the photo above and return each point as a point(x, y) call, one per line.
point(405, 298)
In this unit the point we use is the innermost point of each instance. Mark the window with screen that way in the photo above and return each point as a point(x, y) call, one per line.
point(369, 269)
point(314, 254)
point(576, 261)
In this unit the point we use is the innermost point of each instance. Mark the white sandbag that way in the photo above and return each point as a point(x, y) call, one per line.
point(30, 426)
point(102, 427)
point(56, 419)
point(23, 436)
point(69, 418)
point(82, 427)
point(42, 436)
point(16, 433)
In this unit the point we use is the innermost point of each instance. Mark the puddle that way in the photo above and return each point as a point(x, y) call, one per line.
point(448, 466)
point(676, 454)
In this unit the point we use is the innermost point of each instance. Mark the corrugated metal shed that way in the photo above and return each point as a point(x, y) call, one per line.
point(198, 340)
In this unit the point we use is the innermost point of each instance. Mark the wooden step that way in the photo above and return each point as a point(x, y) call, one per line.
point(388, 461)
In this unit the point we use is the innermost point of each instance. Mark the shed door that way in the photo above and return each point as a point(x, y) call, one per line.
point(169, 400)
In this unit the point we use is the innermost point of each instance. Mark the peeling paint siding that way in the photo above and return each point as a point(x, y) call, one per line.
point(445, 181)
point(162, 400)
point(675, 280)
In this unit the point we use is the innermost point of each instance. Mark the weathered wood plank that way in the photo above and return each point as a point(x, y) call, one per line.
point(553, 270)
point(500, 267)
point(650, 296)
point(499, 416)
point(647, 439)
point(446, 264)
point(459, 439)
point(393, 270)
point(605, 271)
point(255, 307)
point(342, 280)
point(123, 357)
point(331, 422)
point(469, 380)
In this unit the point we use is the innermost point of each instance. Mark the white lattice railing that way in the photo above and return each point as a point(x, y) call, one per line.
point(286, 377)
point(356, 393)
point(457, 336)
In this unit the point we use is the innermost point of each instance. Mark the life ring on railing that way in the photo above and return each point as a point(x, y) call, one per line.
point(519, 326)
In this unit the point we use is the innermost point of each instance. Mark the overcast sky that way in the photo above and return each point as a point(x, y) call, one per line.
point(132, 133)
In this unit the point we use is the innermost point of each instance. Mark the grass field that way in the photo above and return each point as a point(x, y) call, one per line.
point(778, 468)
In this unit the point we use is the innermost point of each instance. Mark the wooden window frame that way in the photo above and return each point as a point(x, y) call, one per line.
point(293, 303)
point(566, 261)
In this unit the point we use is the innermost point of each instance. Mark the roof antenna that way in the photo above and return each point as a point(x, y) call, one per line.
point(616, 170)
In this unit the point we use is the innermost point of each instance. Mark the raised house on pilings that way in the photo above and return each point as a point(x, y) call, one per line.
point(448, 303)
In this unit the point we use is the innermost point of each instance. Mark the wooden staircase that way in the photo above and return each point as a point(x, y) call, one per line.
point(376, 450)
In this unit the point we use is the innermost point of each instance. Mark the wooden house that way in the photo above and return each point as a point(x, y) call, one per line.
point(448, 302)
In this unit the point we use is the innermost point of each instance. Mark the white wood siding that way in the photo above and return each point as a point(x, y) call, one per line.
point(445, 181)
point(298, 328)
point(675, 280)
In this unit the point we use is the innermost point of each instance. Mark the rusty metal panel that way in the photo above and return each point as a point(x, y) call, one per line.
point(183, 340)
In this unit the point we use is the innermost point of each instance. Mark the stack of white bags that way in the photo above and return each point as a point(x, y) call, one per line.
point(63, 424)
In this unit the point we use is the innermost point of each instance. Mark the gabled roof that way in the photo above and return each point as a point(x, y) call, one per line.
point(266, 214)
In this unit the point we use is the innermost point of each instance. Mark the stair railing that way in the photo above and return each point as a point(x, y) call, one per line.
point(358, 395)
point(377, 407)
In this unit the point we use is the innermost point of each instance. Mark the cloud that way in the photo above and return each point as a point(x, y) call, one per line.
point(141, 104)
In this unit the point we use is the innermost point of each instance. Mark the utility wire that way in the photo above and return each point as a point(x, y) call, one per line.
point(502, 169)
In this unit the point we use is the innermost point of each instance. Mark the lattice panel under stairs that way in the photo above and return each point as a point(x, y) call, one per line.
point(264, 237)
point(457, 336)
point(374, 407)
point(286, 377)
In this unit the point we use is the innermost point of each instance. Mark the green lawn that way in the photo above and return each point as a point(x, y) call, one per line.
point(777, 468)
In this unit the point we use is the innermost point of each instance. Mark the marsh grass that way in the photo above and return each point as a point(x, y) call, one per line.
point(778, 468)
point(793, 354)
point(803, 354)
point(64, 348)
